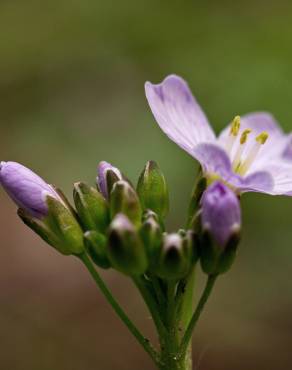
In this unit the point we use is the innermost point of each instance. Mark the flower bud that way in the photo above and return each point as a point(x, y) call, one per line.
point(126, 251)
point(107, 175)
point(152, 190)
point(26, 188)
point(92, 208)
point(151, 234)
point(124, 200)
point(221, 222)
point(96, 246)
point(174, 260)
point(42, 208)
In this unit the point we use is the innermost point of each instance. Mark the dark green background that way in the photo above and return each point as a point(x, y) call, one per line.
point(71, 94)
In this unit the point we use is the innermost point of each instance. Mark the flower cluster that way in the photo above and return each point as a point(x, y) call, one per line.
point(118, 225)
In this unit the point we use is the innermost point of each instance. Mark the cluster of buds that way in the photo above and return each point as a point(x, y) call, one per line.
point(123, 227)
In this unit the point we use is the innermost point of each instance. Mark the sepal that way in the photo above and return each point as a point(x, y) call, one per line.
point(92, 208)
point(215, 259)
point(64, 226)
point(174, 260)
point(124, 200)
point(126, 251)
point(96, 246)
point(152, 190)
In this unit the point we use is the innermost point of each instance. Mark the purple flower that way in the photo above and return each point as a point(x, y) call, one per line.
point(102, 180)
point(26, 188)
point(251, 154)
point(221, 215)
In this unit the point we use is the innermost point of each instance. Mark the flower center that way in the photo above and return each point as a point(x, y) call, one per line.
point(244, 155)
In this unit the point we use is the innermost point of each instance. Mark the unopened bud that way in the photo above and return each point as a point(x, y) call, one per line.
point(174, 260)
point(26, 188)
point(221, 223)
point(151, 235)
point(42, 208)
point(107, 175)
point(152, 190)
point(96, 246)
point(126, 251)
point(92, 208)
point(124, 200)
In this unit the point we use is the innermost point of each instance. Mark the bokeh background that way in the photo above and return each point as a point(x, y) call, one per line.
point(71, 94)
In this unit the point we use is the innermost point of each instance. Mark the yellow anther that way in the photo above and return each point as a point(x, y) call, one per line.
point(235, 126)
point(244, 135)
point(262, 137)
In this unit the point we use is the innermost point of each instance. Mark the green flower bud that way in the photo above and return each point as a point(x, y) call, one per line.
point(174, 260)
point(152, 190)
point(124, 200)
point(151, 234)
point(126, 251)
point(96, 246)
point(92, 208)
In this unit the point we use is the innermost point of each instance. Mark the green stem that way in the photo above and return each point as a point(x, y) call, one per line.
point(158, 291)
point(151, 304)
point(203, 300)
point(119, 311)
point(186, 312)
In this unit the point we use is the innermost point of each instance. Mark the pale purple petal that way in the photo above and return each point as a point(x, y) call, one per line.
point(101, 180)
point(258, 122)
point(177, 113)
point(27, 189)
point(221, 215)
point(213, 159)
point(260, 181)
point(282, 177)
point(287, 150)
point(215, 162)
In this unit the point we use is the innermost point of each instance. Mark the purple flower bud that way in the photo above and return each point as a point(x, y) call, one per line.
point(106, 176)
point(221, 215)
point(26, 188)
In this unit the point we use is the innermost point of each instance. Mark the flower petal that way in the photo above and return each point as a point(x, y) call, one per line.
point(282, 176)
point(260, 181)
point(287, 150)
point(214, 160)
point(258, 122)
point(177, 113)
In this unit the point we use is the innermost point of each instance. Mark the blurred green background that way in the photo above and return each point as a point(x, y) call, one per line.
point(71, 94)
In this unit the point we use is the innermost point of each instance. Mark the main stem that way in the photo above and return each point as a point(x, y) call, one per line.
point(120, 312)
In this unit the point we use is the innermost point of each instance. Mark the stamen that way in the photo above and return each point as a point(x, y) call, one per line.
point(234, 130)
point(260, 140)
point(238, 154)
